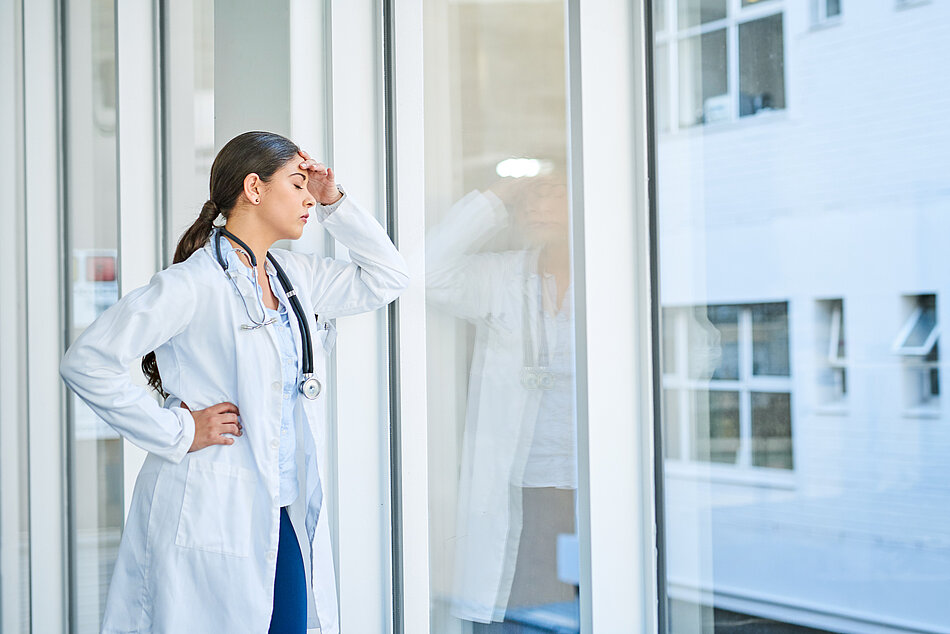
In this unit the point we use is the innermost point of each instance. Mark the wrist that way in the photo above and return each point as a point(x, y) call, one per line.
point(334, 197)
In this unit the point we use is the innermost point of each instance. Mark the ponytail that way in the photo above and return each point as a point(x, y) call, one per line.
point(261, 153)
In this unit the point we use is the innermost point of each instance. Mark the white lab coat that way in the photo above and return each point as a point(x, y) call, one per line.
point(489, 290)
point(199, 547)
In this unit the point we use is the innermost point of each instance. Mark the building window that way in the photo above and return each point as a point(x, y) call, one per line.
point(825, 11)
point(831, 351)
point(699, 40)
point(727, 396)
point(916, 342)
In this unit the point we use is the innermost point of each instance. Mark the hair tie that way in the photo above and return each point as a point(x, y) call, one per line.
point(220, 221)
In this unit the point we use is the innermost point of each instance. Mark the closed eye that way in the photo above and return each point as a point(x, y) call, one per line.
point(298, 186)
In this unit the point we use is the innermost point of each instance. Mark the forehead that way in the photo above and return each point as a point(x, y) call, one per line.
point(292, 167)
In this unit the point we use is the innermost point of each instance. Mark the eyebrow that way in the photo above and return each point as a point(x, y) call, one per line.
point(299, 174)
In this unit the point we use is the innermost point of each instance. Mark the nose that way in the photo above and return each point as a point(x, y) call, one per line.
point(310, 202)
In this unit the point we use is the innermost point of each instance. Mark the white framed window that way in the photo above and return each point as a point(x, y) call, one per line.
point(832, 371)
point(907, 4)
point(727, 388)
point(720, 61)
point(917, 344)
point(824, 12)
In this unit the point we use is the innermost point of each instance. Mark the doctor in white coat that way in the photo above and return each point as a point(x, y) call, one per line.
point(518, 470)
point(199, 552)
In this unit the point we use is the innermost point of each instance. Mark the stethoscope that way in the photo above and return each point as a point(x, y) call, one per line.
point(309, 385)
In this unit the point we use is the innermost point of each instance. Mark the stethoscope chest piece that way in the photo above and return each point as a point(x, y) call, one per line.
point(311, 388)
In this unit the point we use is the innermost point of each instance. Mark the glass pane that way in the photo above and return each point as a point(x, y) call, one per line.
point(770, 339)
point(817, 496)
point(703, 83)
point(671, 423)
point(500, 365)
point(771, 430)
point(832, 8)
point(693, 12)
point(761, 65)
point(669, 340)
point(715, 427)
point(659, 15)
point(925, 324)
point(662, 87)
point(725, 319)
point(189, 113)
point(97, 477)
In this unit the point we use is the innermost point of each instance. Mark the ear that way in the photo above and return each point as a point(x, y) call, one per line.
point(253, 188)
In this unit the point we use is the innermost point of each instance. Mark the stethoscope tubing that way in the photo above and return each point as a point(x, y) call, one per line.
point(309, 386)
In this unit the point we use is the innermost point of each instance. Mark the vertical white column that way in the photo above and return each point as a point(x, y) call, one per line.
point(409, 133)
point(45, 394)
point(362, 509)
point(14, 566)
point(614, 365)
point(138, 168)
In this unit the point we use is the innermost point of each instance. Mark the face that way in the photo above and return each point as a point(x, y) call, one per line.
point(285, 202)
point(543, 213)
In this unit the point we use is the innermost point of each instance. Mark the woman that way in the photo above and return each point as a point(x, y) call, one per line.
point(518, 460)
point(225, 531)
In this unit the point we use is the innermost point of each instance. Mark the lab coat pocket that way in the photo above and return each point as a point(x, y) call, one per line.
point(216, 508)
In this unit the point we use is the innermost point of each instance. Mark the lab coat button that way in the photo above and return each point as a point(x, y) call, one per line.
point(275, 386)
point(275, 444)
point(271, 555)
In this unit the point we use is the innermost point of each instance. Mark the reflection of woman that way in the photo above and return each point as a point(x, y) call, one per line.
point(518, 468)
point(231, 491)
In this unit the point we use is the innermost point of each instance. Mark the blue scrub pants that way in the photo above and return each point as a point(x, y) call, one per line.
point(290, 585)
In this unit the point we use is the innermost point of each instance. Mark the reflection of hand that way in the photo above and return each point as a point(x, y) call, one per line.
point(212, 423)
point(320, 180)
point(505, 188)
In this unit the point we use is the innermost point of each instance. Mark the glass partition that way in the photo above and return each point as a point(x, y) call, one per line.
point(801, 219)
point(500, 326)
point(96, 476)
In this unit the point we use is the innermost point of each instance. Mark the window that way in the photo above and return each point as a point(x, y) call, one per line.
point(916, 342)
point(825, 11)
point(727, 394)
point(830, 351)
point(706, 35)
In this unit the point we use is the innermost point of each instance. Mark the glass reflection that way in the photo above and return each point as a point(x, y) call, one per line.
point(96, 478)
point(805, 474)
point(518, 464)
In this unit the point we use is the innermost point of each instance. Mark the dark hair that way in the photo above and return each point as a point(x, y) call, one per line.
point(261, 153)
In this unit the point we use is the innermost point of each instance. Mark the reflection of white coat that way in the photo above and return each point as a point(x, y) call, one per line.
point(489, 290)
point(199, 548)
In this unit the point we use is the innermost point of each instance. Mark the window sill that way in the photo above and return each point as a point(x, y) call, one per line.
point(763, 117)
point(925, 412)
point(762, 477)
point(827, 23)
point(833, 409)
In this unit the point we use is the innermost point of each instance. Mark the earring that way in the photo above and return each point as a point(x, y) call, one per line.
point(220, 221)
point(257, 201)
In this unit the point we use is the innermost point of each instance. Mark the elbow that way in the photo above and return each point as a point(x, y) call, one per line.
point(69, 367)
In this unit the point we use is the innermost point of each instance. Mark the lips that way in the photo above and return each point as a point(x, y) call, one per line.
point(305, 217)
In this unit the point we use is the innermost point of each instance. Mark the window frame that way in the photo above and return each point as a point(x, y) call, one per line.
point(745, 385)
point(671, 36)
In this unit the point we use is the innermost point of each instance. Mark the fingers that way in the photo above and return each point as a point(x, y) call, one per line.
point(231, 428)
point(222, 408)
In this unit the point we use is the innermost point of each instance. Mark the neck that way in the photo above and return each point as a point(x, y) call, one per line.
point(252, 234)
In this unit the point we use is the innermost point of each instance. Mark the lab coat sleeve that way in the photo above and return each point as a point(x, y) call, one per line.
point(459, 280)
point(96, 366)
point(375, 275)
